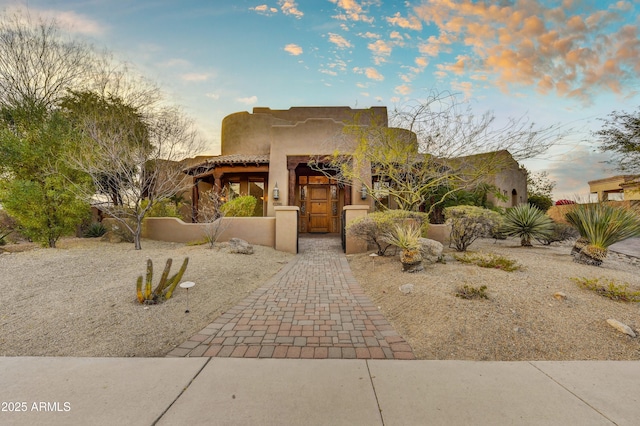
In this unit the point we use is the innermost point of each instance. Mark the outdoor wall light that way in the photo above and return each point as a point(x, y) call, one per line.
point(363, 192)
point(276, 192)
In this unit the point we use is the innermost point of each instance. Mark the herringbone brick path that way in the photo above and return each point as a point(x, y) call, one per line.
point(312, 308)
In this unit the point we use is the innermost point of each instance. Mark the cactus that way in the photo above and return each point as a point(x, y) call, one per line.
point(164, 289)
point(173, 282)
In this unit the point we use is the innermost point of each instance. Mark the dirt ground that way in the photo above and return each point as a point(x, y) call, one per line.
point(521, 320)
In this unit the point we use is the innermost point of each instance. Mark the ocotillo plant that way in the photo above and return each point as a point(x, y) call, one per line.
point(165, 287)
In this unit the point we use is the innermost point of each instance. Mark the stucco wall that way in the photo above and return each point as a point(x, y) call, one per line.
point(309, 138)
point(337, 113)
point(255, 230)
point(244, 133)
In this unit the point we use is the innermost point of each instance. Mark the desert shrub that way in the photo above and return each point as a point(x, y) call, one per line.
point(95, 230)
point(600, 225)
point(609, 289)
point(372, 227)
point(243, 206)
point(469, 292)
point(468, 223)
point(561, 232)
point(489, 260)
point(527, 222)
point(406, 236)
point(542, 202)
point(162, 208)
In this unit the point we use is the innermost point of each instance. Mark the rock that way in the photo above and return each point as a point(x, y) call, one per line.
point(560, 295)
point(623, 328)
point(431, 250)
point(112, 237)
point(237, 245)
point(406, 288)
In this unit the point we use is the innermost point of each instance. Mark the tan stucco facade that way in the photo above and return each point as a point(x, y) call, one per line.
point(627, 185)
point(268, 149)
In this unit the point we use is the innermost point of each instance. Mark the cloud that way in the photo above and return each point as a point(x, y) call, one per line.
point(176, 62)
point(572, 52)
point(293, 49)
point(263, 9)
point(403, 90)
point(250, 100)
point(370, 73)
point(411, 23)
point(213, 96)
point(195, 76)
point(289, 7)
point(351, 11)
point(69, 21)
point(339, 41)
point(369, 34)
point(381, 50)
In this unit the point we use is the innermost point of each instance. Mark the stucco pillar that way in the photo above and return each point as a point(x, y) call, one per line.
point(287, 228)
point(352, 244)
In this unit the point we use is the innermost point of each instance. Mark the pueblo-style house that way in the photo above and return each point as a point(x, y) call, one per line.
point(267, 153)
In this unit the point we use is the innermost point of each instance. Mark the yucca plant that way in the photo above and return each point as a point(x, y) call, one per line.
point(527, 222)
point(601, 225)
point(407, 238)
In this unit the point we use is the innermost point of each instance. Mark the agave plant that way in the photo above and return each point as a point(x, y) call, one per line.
point(601, 225)
point(407, 238)
point(527, 222)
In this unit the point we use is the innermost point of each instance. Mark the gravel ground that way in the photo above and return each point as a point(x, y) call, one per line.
point(521, 320)
point(80, 299)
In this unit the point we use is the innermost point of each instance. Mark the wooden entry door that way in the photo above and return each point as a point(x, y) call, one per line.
point(319, 207)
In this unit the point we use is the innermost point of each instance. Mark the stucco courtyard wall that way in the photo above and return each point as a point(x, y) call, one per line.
point(256, 230)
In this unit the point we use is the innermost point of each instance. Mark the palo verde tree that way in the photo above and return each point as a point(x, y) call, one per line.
point(540, 189)
point(620, 136)
point(133, 154)
point(37, 65)
point(432, 149)
point(37, 189)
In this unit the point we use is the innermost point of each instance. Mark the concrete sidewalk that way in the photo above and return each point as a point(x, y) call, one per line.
point(238, 391)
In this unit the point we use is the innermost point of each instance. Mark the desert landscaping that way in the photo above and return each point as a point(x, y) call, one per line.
point(80, 300)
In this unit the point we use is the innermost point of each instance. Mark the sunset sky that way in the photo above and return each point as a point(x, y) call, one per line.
point(555, 62)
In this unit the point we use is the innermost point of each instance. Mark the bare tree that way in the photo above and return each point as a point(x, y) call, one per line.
point(134, 157)
point(212, 214)
point(37, 63)
point(431, 150)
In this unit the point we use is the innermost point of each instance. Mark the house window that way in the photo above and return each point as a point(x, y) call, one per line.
point(381, 195)
point(256, 189)
point(233, 190)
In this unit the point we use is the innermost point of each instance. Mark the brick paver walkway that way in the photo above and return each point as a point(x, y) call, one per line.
point(312, 308)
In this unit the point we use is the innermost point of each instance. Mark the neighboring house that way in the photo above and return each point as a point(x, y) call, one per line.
point(266, 154)
point(625, 187)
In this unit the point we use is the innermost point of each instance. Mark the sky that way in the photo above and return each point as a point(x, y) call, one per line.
point(567, 63)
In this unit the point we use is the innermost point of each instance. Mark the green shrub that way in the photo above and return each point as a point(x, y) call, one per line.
point(468, 223)
point(601, 225)
point(95, 230)
point(243, 206)
point(609, 289)
point(468, 292)
point(542, 202)
point(373, 227)
point(489, 260)
point(527, 222)
point(162, 208)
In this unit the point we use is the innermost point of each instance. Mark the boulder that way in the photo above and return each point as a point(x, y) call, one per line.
point(431, 250)
point(406, 288)
point(237, 245)
point(623, 328)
